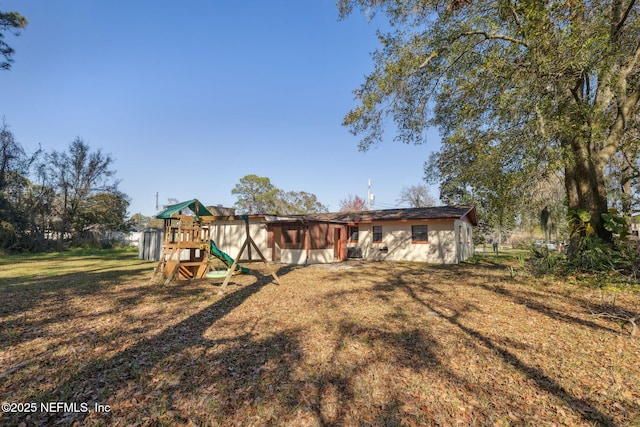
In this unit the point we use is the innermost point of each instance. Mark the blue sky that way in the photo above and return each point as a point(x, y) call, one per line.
point(188, 97)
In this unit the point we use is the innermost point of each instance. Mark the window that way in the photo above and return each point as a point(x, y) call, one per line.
point(353, 234)
point(419, 234)
point(377, 233)
point(293, 236)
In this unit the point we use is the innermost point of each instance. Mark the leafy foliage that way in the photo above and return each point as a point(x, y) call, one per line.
point(109, 209)
point(580, 222)
point(298, 202)
point(592, 254)
point(11, 22)
point(616, 224)
point(256, 195)
point(55, 195)
point(533, 87)
point(80, 173)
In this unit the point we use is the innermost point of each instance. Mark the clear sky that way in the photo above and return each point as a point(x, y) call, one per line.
point(190, 96)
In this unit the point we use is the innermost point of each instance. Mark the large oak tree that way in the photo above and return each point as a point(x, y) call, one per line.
point(554, 84)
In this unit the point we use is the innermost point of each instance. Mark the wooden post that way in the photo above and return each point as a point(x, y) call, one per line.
point(248, 242)
point(246, 227)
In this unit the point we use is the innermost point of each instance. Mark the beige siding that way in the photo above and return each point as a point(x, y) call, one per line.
point(321, 256)
point(396, 238)
point(449, 242)
point(464, 240)
point(230, 235)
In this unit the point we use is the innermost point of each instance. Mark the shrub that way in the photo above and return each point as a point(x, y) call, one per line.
point(548, 262)
point(593, 255)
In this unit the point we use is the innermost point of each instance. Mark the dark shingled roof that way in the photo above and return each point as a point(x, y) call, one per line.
point(434, 212)
point(355, 217)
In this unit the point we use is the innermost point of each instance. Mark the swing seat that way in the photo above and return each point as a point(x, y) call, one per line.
point(216, 274)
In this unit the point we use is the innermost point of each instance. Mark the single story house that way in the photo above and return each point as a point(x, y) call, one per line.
point(440, 234)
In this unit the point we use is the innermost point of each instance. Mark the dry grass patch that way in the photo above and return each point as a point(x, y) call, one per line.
point(372, 344)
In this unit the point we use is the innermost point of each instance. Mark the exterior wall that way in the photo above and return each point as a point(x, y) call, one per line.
point(449, 242)
point(299, 256)
point(322, 256)
point(230, 235)
point(150, 245)
point(464, 240)
point(293, 256)
point(306, 243)
point(396, 242)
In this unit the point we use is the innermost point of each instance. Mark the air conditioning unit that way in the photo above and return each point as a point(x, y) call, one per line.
point(354, 252)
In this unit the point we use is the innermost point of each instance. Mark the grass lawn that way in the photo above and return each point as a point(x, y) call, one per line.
point(354, 343)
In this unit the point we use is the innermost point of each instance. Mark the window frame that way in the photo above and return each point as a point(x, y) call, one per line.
point(415, 234)
point(293, 236)
point(351, 230)
point(375, 233)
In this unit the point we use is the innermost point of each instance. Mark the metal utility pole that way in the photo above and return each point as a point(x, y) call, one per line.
point(370, 196)
point(157, 208)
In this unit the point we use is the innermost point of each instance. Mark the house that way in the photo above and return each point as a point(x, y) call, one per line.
point(441, 234)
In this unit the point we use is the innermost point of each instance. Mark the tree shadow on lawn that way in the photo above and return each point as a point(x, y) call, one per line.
point(418, 282)
point(357, 393)
point(528, 300)
point(584, 407)
point(181, 376)
point(473, 274)
point(133, 367)
point(47, 295)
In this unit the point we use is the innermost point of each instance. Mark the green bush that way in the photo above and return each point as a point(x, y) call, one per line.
point(8, 235)
point(593, 255)
point(548, 262)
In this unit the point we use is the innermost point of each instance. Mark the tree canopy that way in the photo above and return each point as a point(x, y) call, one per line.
point(11, 22)
point(524, 88)
point(79, 174)
point(257, 195)
point(57, 194)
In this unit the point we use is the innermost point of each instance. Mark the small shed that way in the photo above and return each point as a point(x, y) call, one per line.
point(150, 244)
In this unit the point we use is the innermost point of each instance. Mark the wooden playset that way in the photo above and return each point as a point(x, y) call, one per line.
point(188, 251)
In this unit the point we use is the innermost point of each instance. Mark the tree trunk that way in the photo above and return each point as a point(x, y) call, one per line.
point(585, 186)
